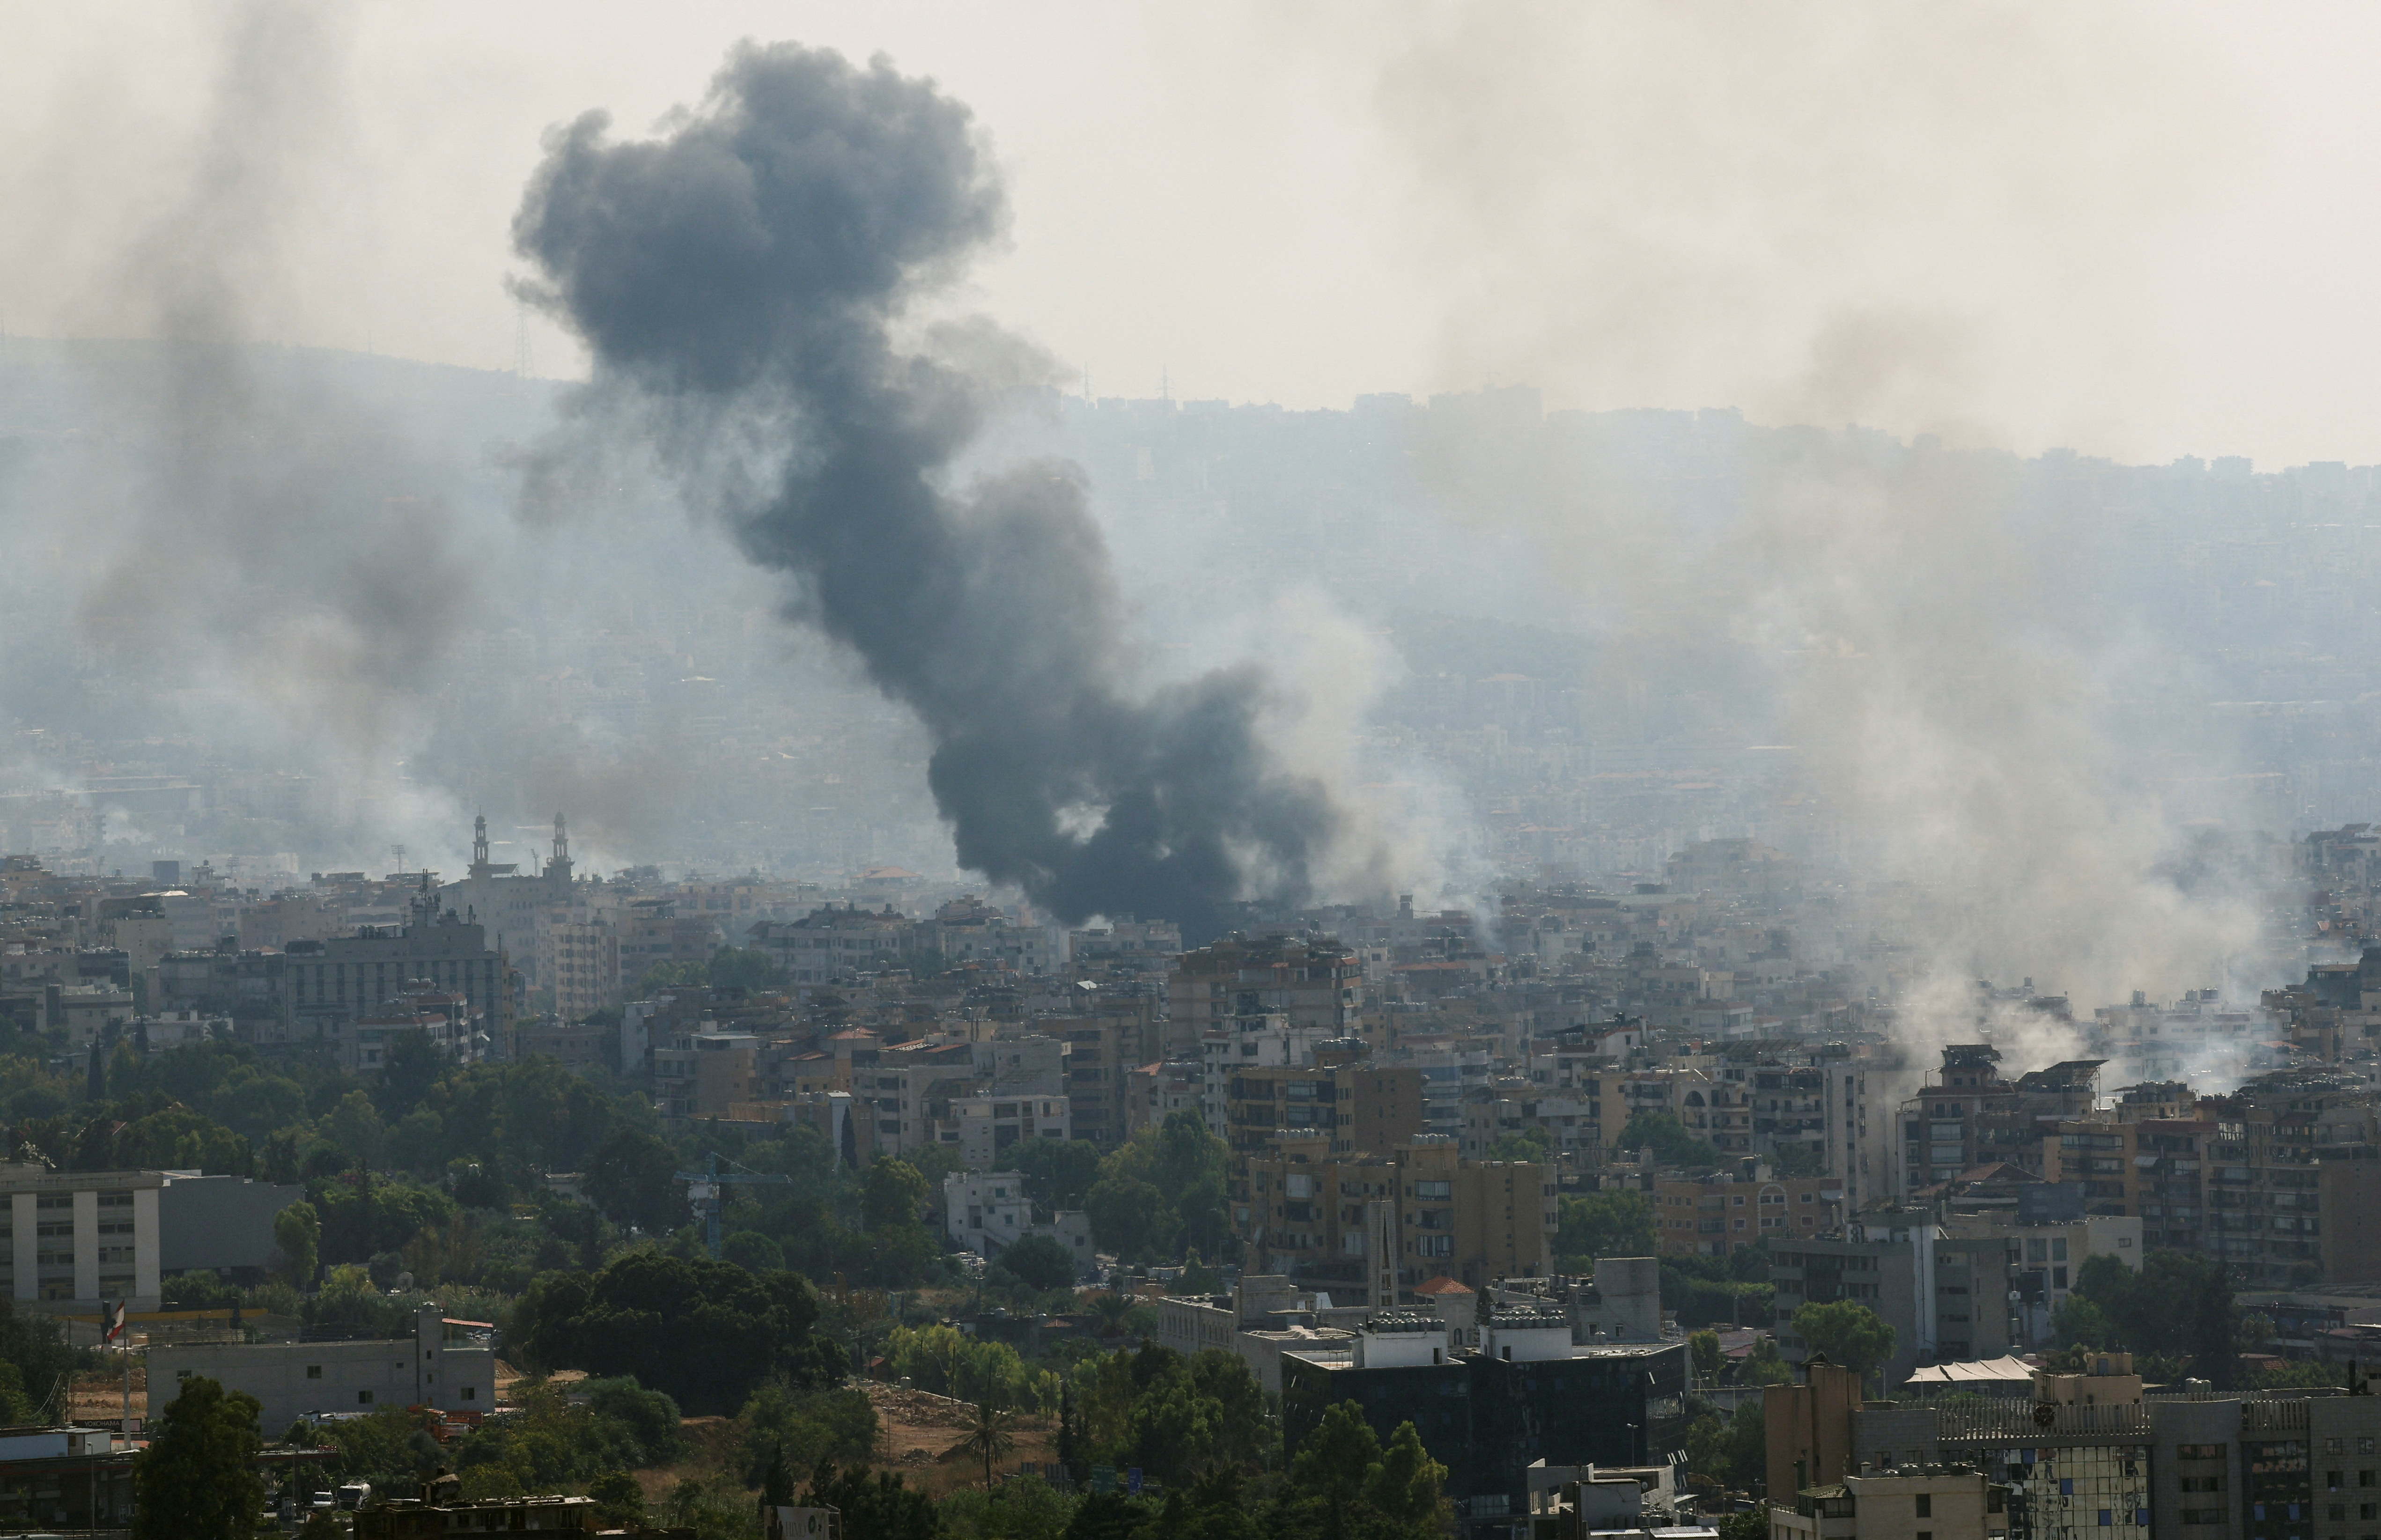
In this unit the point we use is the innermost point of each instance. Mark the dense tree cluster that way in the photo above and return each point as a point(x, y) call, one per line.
point(2176, 1314)
point(707, 1333)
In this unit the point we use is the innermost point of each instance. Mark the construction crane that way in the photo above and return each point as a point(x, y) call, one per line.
point(702, 1190)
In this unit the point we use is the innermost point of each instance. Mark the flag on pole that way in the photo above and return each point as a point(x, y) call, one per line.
point(112, 1319)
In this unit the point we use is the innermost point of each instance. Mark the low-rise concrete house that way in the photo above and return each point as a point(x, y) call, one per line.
point(439, 1366)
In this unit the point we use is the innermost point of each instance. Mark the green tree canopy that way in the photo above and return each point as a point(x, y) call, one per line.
point(2179, 1304)
point(1615, 1222)
point(894, 1192)
point(753, 1251)
point(877, 1505)
point(298, 1233)
point(1670, 1139)
point(1040, 1262)
point(198, 1475)
point(703, 1332)
point(633, 1178)
point(1344, 1486)
point(1847, 1332)
point(1058, 1172)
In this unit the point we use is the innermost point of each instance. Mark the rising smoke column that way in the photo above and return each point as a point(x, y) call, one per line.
point(740, 282)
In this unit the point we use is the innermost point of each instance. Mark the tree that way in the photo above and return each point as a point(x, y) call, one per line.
point(1532, 1144)
point(414, 1066)
point(1612, 1223)
point(1128, 1216)
point(990, 1435)
point(1669, 1138)
point(1058, 1172)
point(198, 1475)
point(1848, 1333)
point(1040, 1262)
point(1766, 1365)
point(753, 1251)
point(703, 1332)
point(1703, 1348)
point(894, 1192)
point(619, 1499)
point(298, 1233)
point(633, 1178)
point(2079, 1323)
point(1407, 1488)
point(882, 1507)
point(1750, 1524)
point(743, 968)
point(1330, 1468)
point(1346, 1485)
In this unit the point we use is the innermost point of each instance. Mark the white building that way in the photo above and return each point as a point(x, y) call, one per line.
point(441, 1365)
point(987, 1212)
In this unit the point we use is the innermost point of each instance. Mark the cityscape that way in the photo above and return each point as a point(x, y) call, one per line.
point(804, 925)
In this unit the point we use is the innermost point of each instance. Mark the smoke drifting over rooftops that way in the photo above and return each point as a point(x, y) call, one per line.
point(747, 284)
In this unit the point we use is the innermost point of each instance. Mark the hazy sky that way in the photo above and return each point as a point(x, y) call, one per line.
point(2141, 230)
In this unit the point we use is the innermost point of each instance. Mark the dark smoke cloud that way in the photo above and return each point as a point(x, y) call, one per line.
point(740, 281)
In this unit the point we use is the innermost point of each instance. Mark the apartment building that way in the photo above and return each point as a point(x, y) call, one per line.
point(1885, 1262)
point(830, 943)
point(2091, 1454)
point(1119, 1031)
point(78, 1238)
point(1250, 1043)
point(1714, 1215)
point(1312, 981)
point(579, 961)
point(1373, 1226)
point(1355, 1105)
point(1969, 1117)
point(2290, 1148)
point(989, 1125)
point(337, 979)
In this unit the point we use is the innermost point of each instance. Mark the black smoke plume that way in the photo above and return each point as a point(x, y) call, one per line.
point(741, 281)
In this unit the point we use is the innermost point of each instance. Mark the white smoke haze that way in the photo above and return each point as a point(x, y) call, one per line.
point(1794, 211)
point(1800, 210)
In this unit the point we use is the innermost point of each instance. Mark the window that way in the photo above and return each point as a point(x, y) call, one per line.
point(1925, 1504)
point(2058, 1248)
point(314, 1370)
point(471, 1392)
point(363, 1397)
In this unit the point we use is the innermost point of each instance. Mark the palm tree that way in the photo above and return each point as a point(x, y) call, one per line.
point(1110, 1310)
point(990, 1436)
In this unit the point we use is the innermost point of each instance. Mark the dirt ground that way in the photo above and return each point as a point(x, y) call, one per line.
point(924, 1434)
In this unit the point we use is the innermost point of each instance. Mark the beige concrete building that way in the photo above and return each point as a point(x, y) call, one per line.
point(1912, 1502)
point(1371, 1227)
